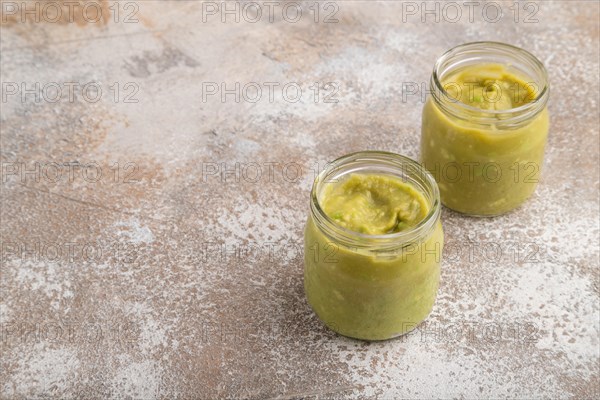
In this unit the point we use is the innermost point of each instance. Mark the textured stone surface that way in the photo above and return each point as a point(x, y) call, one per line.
point(143, 302)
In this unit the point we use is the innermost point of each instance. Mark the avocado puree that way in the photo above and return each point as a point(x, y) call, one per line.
point(359, 292)
point(491, 168)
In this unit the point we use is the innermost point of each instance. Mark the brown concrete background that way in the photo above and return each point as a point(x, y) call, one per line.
point(118, 286)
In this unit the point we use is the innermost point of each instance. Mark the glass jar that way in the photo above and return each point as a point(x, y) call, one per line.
point(486, 161)
point(373, 287)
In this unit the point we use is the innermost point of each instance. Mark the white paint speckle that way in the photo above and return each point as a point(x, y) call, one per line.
point(134, 232)
point(141, 380)
point(42, 372)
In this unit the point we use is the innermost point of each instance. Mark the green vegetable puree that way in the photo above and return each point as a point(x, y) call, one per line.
point(488, 87)
point(484, 169)
point(362, 293)
point(374, 204)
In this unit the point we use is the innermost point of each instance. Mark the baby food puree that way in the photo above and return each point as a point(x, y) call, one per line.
point(367, 291)
point(484, 131)
point(373, 204)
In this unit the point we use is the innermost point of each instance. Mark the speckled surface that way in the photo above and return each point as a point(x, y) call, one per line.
point(165, 278)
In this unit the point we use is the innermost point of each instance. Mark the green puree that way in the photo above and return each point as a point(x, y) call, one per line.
point(488, 87)
point(484, 169)
point(373, 204)
point(360, 292)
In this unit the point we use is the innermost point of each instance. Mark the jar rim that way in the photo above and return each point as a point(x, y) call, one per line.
point(358, 239)
point(534, 106)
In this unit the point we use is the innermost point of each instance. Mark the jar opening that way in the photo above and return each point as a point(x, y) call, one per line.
point(385, 163)
point(517, 60)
